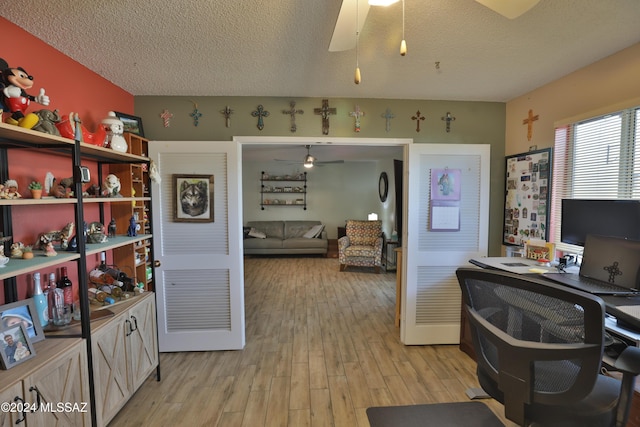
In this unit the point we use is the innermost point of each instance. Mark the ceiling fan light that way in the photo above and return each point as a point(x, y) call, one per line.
point(403, 47)
point(308, 161)
point(382, 2)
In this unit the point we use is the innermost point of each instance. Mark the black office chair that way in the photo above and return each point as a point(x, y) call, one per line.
point(539, 348)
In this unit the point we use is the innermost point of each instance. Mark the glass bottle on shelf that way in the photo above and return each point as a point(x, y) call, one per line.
point(40, 301)
point(66, 286)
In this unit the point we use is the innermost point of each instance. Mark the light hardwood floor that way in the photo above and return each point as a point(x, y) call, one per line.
point(321, 348)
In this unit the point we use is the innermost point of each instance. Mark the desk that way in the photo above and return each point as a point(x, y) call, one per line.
point(611, 302)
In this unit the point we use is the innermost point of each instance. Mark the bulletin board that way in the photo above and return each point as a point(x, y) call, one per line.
point(528, 195)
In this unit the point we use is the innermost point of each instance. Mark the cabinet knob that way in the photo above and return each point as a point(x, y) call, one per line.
point(157, 263)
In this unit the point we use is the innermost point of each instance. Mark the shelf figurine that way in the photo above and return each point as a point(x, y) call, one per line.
point(10, 190)
point(112, 186)
point(112, 228)
point(14, 82)
point(114, 128)
point(132, 231)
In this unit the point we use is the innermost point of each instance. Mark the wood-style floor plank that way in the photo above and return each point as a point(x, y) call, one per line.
point(321, 348)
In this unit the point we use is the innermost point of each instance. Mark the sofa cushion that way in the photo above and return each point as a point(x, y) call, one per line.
point(314, 231)
point(304, 243)
point(257, 234)
point(298, 228)
point(273, 229)
point(268, 243)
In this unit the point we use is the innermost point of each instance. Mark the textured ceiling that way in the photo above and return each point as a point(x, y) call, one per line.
point(280, 48)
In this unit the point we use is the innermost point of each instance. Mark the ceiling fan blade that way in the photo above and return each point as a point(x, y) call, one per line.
point(509, 8)
point(344, 33)
point(328, 162)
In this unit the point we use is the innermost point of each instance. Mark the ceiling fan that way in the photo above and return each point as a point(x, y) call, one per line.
point(345, 29)
point(310, 161)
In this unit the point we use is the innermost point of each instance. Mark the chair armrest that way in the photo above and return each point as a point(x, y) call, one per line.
point(378, 245)
point(629, 361)
point(344, 242)
point(323, 235)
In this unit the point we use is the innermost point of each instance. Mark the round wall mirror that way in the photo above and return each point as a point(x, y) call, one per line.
point(383, 186)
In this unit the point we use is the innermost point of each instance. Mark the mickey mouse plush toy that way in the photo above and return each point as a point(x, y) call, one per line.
point(14, 82)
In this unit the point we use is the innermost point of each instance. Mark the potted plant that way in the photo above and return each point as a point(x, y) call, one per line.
point(36, 189)
point(27, 252)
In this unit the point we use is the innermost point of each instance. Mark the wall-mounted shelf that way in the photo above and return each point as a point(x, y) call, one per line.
point(292, 187)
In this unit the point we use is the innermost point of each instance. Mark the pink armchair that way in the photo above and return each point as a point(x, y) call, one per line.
point(362, 245)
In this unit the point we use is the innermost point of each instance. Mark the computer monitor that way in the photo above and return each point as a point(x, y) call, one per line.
point(617, 218)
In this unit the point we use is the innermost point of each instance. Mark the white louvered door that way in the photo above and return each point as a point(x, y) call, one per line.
point(199, 272)
point(431, 297)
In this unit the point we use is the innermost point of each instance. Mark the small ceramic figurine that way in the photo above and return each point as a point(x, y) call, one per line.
point(112, 186)
point(10, 190)
point(114, 138)
point(49, 250)
point(132, 231)
point(16, 250)
point(3, 259)
point(112, 228)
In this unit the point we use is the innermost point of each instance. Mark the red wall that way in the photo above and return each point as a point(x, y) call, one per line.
point(71, 87)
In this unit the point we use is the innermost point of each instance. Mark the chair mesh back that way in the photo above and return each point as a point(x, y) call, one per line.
point(532, 335)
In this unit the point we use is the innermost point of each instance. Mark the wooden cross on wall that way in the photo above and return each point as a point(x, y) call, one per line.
point(417, 118)
point(529, 122)
point(292, 112)
point(357, 114)
point(325, 112)
point(260, 112)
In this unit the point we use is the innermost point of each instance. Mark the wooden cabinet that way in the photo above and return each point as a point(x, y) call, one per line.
point(125, 352)
point(58, 375)
point(283, 190)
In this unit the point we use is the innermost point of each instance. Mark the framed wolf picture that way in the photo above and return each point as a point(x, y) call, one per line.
point(193, 198)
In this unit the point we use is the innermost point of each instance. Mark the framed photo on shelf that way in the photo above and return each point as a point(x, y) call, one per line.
point(131, 123)
point(22, 312)
point(193, 198)
point(16, 346)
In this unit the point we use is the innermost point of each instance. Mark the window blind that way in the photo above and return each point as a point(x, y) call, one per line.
point(597, 158)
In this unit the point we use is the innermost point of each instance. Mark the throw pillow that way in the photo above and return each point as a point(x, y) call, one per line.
point(314, 231)
point(257, 234)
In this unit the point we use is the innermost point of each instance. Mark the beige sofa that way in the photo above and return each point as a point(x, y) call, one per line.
point(284, 237)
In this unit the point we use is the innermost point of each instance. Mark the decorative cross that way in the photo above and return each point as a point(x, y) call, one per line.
point(448, 118)
point(613, 271)
point(166, 116)
point(227, 112)
point(292, 112)
point(387, 116)
point(417, 118)
point(357, 114)
point(325, 112)
point(529, 122)
point(260, 113)
point(196, 114)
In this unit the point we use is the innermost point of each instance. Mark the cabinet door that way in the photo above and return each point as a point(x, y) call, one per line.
point(11, 418)
point(110, 369)
point(63, 380)
point(142, 342)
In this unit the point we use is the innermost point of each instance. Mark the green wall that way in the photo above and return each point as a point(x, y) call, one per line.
point(475, 123)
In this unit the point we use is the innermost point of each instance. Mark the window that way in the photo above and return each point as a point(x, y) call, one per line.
point(596, 158)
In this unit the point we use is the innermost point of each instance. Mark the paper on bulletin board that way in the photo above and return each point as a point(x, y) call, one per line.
point(445, 218)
